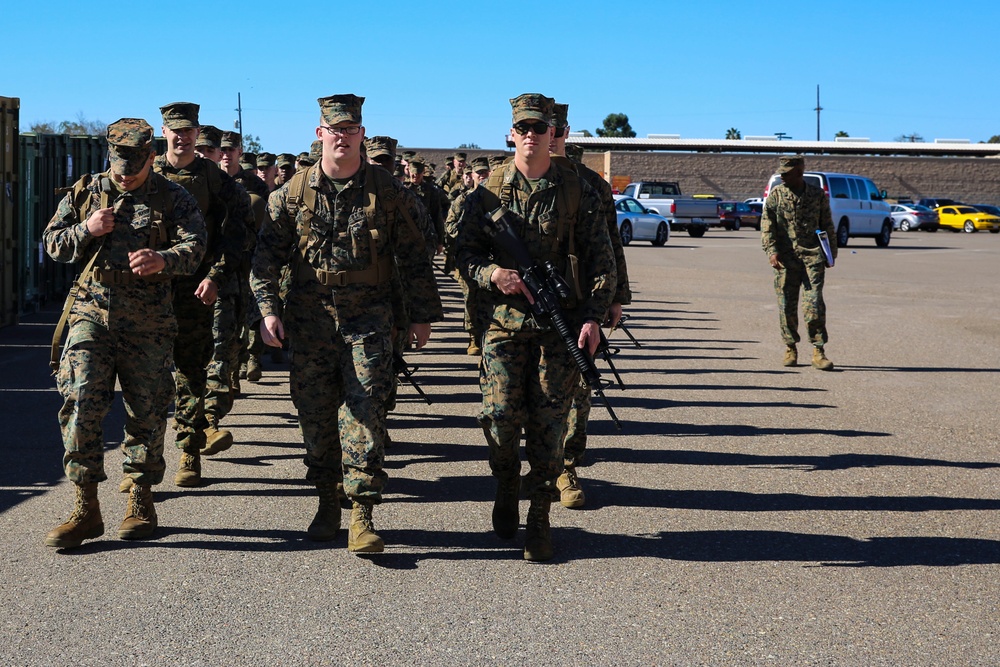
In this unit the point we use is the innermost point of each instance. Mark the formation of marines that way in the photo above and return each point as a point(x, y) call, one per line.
point(194, 261)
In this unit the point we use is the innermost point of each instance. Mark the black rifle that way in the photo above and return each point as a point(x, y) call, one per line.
point(621, 325)
point(401, 368)
point(606, 351)
point(546, 286)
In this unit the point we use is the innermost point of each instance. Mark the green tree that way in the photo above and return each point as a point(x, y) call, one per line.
point(251, 144)
point(616, 125)
point(81, 125)
point(841, 133)
point(995, 139)
point(733, 133)
point(471, 146)
point(586, 133)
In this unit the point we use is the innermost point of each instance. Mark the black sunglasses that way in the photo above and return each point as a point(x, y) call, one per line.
point(538, 127)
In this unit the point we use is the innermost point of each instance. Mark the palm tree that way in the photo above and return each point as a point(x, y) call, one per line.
point(733, 133)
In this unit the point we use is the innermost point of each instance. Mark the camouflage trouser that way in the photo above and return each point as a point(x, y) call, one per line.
point(527, 379)
point(473, 317)
point(93, 358)
point(788, 281)
point(339, 384)
point(192, 353)
point(227, 314)
point(575, 443)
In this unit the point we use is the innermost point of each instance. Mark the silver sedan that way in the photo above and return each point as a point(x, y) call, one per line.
point(637, 224)
point(907, 217)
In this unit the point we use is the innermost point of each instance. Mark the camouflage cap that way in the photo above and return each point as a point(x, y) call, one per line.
point(481, 163)
point(381, 145)
point(249, 159)
point(574, 152)
point(496, 161)
point(408, 154)
point(285, 160)
point(460, 156)
point(180, 115)
point(129, 143)
point(265, 160)
point(209, 135)
point(316, 150)
point(231, 140)
point(790, 162)
point(559, 115)
point(340, 108)
point(304, 160)
point(417, 161)
point(532, 106)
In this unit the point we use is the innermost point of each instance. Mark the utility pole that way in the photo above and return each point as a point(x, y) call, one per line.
point(781, 135)
point(239, 118)
point(817, 110)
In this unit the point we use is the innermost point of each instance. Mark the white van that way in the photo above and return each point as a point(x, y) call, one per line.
point(858, 207)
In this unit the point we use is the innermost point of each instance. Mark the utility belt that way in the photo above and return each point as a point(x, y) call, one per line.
point(125, 277)
point(376, 274)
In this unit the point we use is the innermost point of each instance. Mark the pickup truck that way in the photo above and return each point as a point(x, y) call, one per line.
point(664, 198)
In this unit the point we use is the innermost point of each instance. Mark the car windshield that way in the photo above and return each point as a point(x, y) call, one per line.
point(966, 210)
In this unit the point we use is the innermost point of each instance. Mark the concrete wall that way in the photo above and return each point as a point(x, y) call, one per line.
point(731, 176)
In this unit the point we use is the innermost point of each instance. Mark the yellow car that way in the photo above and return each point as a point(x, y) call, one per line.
point(967, 219)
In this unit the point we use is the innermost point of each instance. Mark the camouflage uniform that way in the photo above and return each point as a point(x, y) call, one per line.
point(788, 229)
point(204, 347)
point(122, 326)
point(341, 372)
point(527, 375)
point(435, 202)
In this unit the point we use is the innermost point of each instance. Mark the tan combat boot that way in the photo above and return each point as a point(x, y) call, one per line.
point(253, 368)
point(570, 492)
point(538, 535)
point(474, 350)
point(189, 470)
point(140, 515)
point(125, 484)
point(361, 537)
point(820, 361)
point(505, 511)
point(85, 522)
point(216, 440)
point(326, 524)
point(791, 356)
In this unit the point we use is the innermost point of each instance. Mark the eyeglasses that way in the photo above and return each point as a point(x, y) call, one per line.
point(341, 131)
point(538, 127)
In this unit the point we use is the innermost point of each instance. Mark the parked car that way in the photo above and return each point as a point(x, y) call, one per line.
point(754, 200)
point(635, 223)
point(735, 214)
point(664, 198)
point(988, 208)
point(935, 202)
point(907, 217)
point(967, 219)
point(858, 207)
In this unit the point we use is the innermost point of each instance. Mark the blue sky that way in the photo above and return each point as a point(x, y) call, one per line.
point(438, 74)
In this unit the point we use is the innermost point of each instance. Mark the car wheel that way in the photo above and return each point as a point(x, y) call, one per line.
point(904, 226)
point(843, 233)
point(626, 232)
point(697, 231)
point(931, 229)
point(995, 231)
point(662, 234)
point(969, 227)
point(736, 225)
point(882, 240)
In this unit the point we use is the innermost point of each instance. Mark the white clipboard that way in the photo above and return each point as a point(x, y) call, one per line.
point(824, 243)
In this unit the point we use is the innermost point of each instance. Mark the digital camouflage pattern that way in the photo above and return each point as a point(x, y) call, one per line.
point(129, 143)
point(788, 229)
point(532, 106)
point(380, 145)
point(209, 135)
point(527, 375)
point(180, 115)
point(341, 371)
point(229, 222)
point(435, 203)
point(341, 108)
point(122, 331)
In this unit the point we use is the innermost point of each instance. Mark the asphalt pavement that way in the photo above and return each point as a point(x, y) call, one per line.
point(746, 514)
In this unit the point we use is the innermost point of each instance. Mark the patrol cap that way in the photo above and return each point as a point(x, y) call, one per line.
point(316, 150)
point(231, 140)
point(497, 161)
point(381, 145)
point(790, 162)
point(180, 115)
point(304, 160)
point(574, 152)
point(532, 106)
point(209, 135)
point(265, 160)
point(129, 143)
point(481, 163)
point(559, 114)
point(461, 156)
point(418, 162)
point(285, 160)
point(249, 159)
point(408, 154)
point(340, 108)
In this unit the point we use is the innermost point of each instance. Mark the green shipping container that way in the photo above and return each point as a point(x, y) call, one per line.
point(9, 201)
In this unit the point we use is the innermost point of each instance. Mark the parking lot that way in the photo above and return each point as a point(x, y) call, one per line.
point(746, 514)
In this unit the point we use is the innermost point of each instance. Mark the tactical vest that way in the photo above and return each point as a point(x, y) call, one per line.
point(567, 207)
point(300, 196)
point(205, 186)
